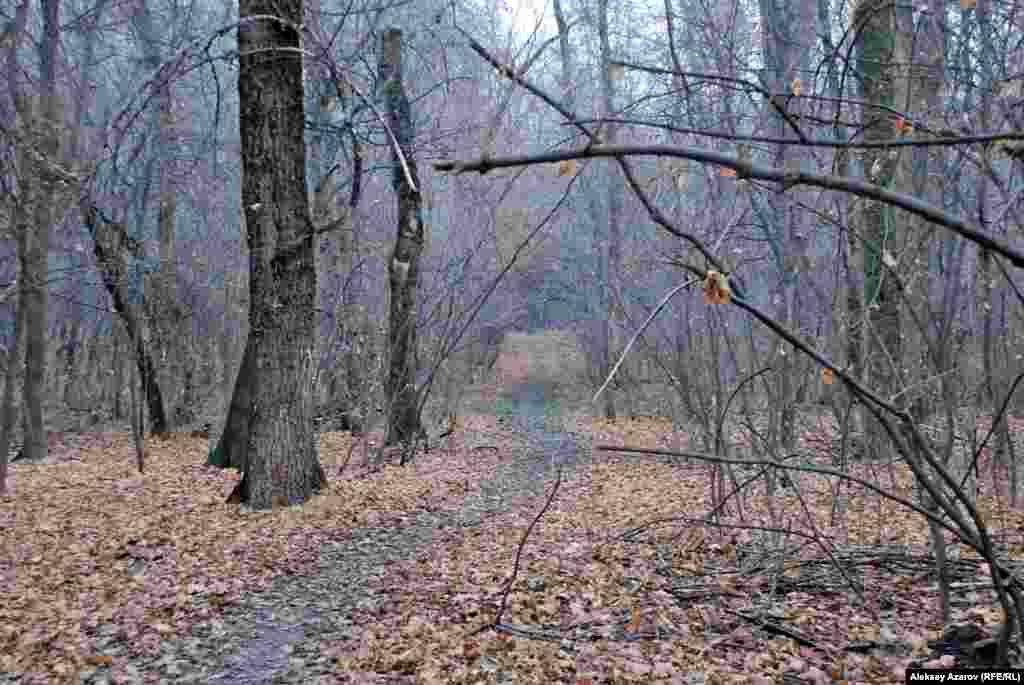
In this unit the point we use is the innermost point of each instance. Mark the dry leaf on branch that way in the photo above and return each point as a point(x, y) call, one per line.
point(567, 167)
point(716, 288)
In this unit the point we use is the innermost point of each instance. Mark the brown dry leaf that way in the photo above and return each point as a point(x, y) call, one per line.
point(968, 4)
point(826, 376)
point(716, 288)
point(727, 172)
point(567, 167)
point(796, 86)
point(634, 624)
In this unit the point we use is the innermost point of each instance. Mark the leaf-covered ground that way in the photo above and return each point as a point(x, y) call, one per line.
point(618, 582)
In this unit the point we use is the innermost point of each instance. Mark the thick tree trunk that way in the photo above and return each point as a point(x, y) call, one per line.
point(403, 271)
point(281, 464)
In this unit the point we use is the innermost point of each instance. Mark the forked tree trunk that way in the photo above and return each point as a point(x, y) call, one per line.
point(110, 242)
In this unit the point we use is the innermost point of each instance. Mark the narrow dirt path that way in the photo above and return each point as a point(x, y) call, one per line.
point(275, 636)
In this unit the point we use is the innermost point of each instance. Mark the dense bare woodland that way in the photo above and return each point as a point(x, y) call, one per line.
point(597, 341)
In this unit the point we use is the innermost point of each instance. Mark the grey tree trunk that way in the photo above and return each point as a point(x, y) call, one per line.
point(789, 27)
point(614, 190)
point(234, 439)
point(875, 27)
point(172, 338)
point(9, 412)
point(403, 270)
point(334, 271)
point(18, 209)
point(48, 126)
point(565, 51)
point(281, 465)
point(110, 243)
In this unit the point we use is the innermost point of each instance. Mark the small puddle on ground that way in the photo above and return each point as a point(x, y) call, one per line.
point(264, 655)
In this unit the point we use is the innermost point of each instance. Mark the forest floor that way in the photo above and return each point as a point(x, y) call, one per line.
point(513, 553)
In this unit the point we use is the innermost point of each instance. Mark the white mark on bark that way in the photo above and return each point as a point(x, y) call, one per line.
point(401, 268)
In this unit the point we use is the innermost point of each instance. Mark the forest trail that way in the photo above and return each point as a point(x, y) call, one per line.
point(275, 635)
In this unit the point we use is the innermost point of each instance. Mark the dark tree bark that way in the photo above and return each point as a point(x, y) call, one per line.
point(281, 464)
point(403, 270)
point(18, 214)
point(234, 439)
point(110, 242)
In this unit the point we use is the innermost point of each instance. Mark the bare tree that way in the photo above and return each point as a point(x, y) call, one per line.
point(111, 246)
point(172, 336)
point(47, 124)
point(281, 464)
point(874, 22)
point(614, 191)
point(404, 267)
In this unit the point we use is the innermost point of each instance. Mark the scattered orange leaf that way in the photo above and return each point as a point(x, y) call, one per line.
point(634, 624)
point(716, 288)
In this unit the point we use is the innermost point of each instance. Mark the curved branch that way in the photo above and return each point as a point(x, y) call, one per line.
point(786, 179)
